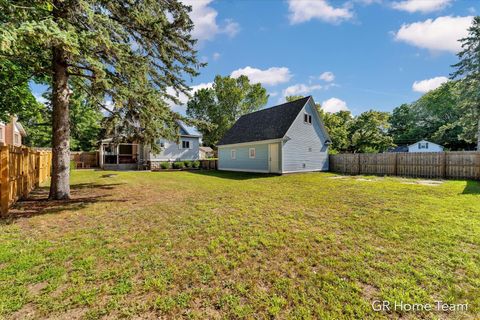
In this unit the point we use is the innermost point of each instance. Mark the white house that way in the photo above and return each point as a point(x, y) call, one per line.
point(286, 138)
point(425, 146)
point(135, 156)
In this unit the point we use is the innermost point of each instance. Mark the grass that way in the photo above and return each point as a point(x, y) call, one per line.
point(214, 245)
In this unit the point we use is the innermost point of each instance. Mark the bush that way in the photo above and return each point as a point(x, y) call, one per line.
point(178, 165)
point(165, 165)
point(196, 164)
point(187, 164)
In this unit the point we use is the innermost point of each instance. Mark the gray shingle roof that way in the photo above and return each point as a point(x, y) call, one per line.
point(266, 124)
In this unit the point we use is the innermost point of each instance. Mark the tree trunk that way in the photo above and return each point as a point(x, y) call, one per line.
point(60, 185)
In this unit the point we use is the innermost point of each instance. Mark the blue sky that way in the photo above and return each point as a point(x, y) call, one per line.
point(356, 55)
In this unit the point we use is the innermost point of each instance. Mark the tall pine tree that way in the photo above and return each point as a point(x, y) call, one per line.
point(469, 69)
point(129, 52)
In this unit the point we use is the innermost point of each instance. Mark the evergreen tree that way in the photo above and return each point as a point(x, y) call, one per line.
point(129, 52)
point(469, 69)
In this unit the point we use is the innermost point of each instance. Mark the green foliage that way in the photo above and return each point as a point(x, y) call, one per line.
point(165, 165)
point(187, 164)
point(437, 116)
point(337, 125)
point(468, 68)
point(293, 98)
point(178, 165)
point(219, 107)
point(369, 132)
point(15, 97)
point(196, 164)
point(133, 54)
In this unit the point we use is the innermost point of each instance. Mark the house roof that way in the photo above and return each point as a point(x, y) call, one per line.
point(399, 149)
point(190, 130)
point(423, 141)
point(266, 124)
point(206, 149)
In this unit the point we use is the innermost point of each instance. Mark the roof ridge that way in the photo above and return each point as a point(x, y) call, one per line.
point(278, 105)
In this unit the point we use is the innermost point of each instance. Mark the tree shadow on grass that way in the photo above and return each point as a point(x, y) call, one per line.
point(83, 195)
point(231, 175)
point(472, 187)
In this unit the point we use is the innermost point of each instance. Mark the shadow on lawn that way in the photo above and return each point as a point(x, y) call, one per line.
point(472, 187)
point(83, 194)
point(233, 175)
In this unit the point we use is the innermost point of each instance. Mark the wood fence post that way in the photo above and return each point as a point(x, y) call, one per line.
point(359, 164)
point(4, 176)
point(443, 171)
point(395, 165)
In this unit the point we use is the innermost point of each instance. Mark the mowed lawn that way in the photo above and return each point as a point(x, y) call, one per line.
point(213, 245)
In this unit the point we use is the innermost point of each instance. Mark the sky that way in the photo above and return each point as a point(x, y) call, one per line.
point(352, 55)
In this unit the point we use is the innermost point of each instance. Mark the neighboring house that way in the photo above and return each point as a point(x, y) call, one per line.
point(420, 146)
point(12, 133)
point(135, 156)
point(425, 146)
point(286, 138)
point(206, 153)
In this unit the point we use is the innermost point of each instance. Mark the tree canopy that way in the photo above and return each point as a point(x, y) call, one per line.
point(131, 53)
point(468, 69)
point(220, 106)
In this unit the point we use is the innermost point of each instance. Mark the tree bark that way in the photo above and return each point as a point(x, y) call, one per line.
point(60, 183)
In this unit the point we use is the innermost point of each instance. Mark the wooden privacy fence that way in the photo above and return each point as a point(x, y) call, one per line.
point(209, 164)
point(448, 165)
point(22, 170)
point(84, 160)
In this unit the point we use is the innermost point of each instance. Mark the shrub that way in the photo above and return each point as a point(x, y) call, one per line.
point(188, 164)
point(178, 165)
point(196, 164)
point(165, 165)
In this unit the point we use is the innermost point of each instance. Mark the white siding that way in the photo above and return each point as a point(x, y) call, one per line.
point(305, 150)
point(432, 147)
point(173, 151)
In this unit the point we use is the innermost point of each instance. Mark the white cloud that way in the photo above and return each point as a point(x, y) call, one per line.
point(423, 6)
point(204, 18)
point(333, 105)
point(300, 89)
point(231, 28)
point(183, 97)
point(306, 10)
point(273, 94)
point(216, 56)
point(40, 98)
point(327, 76)
point(441, 34)
point(428, 84)
point(270, 76)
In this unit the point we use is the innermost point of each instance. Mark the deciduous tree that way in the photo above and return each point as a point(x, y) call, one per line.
point(220, 106)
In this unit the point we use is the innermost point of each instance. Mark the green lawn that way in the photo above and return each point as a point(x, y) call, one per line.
point(213, 245)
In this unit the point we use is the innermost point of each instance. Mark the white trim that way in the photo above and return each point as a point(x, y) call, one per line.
point(294, 171)
point(250, 153)
point(243, 170)
point(233, 154)
point(249, 143)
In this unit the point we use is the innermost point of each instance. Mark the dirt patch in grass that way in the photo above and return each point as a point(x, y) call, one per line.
point(430, 183)
point(25, 313)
